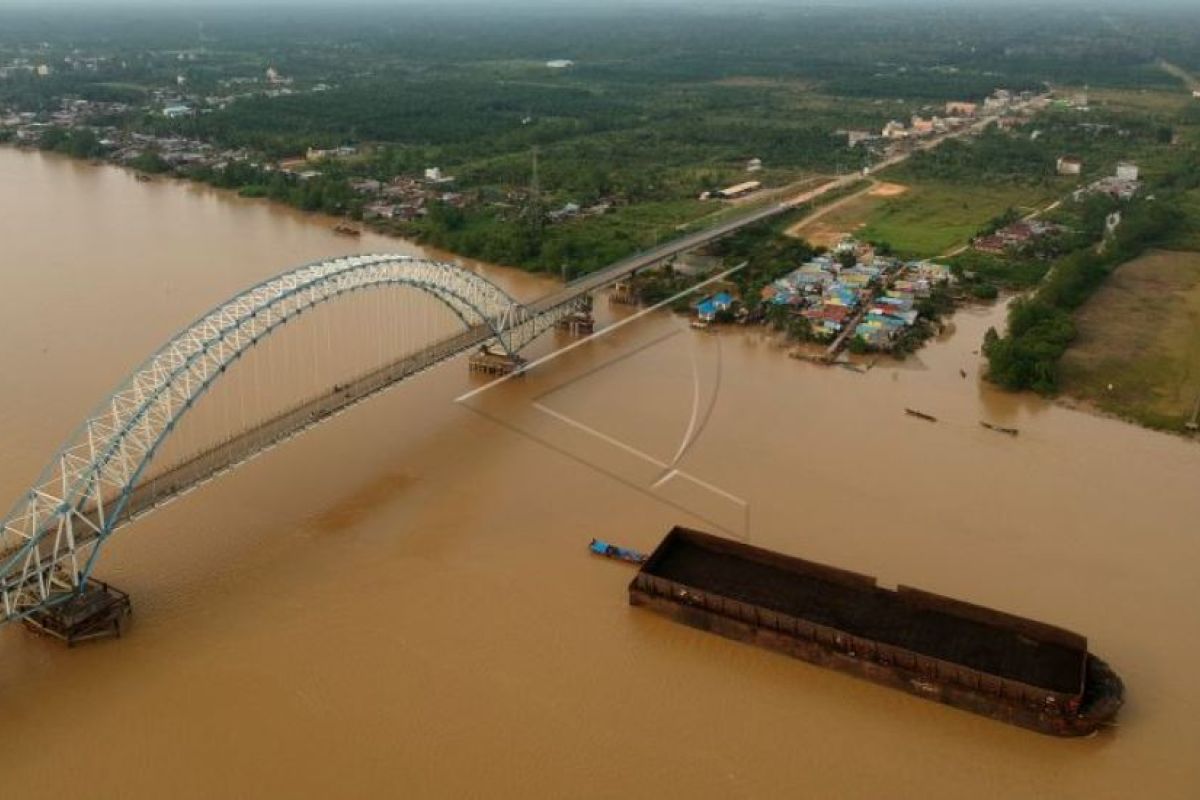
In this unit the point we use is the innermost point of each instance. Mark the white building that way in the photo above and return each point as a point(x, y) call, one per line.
point(560, 63)
point(435, 175)
point(174, 112)
point(1127, 171)
point(1069, 165)
point(740, 190)
point(855, 137)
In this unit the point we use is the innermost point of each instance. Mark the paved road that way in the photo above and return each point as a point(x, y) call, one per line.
point(628, 266)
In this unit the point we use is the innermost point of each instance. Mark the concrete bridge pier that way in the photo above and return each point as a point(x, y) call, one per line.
point(491, 362)
point(579, 324)
point(96, 611)
point(622, 293)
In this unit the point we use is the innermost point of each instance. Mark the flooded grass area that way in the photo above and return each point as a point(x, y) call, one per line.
point(1137, 354)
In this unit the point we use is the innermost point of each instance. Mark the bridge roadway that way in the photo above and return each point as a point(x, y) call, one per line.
point(181, 478)
point(647, 258)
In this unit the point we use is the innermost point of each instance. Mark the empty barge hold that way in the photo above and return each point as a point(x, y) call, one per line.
point(1005, 667)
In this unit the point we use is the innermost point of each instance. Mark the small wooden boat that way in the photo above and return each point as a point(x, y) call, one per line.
point(912, 412)
point(143, 177)
point(602, 548)
point(346, 229)
point(999, 429)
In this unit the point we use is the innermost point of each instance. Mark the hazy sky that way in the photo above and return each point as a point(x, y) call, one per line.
point(500, 5)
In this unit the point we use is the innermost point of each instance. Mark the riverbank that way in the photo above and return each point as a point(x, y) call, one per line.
point(371, 239)
point(313, 622)
point(379, 240)
point(1137, 352)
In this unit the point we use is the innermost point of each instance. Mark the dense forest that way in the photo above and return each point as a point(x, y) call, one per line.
point(654, 108)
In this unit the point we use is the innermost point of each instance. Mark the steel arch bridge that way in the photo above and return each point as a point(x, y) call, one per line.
point(93, 485)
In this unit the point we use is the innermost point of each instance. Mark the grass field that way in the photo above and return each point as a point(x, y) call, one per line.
point(1139, 100)
point(925, 219)
point(1140, 335)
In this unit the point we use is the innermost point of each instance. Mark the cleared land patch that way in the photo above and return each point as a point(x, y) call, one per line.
point(921, 219)
point(1140, 334)
point(1139, 100)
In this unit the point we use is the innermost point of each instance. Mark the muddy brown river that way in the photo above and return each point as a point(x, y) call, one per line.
point(399, 603)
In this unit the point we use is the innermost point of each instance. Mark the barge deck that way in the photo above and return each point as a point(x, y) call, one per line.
point(1003, 666)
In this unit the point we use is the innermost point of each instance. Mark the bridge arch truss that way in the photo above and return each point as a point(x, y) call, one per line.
point(50, 538)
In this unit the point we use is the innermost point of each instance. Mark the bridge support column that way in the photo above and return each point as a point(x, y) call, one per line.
point(623, 293)
point(581, 323)
point(95, 612)
point(492, 363)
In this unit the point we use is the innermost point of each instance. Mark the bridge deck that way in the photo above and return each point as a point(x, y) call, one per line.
point(537, 318)
point(611, 274)
point(180, 478)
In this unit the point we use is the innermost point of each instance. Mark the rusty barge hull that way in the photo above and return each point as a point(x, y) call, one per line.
point(1001, 666)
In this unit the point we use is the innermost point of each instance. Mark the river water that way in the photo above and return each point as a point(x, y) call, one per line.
point(399, 603)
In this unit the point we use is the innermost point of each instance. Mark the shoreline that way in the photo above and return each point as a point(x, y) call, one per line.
point(1080, 405)
point(433, 252)
point(1061, 400)
point(229, 193)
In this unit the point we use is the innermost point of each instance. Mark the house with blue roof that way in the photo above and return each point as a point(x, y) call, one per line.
point(707, 309)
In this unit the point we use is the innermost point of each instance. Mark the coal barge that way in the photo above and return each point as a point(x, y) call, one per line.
point(1002, 666)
